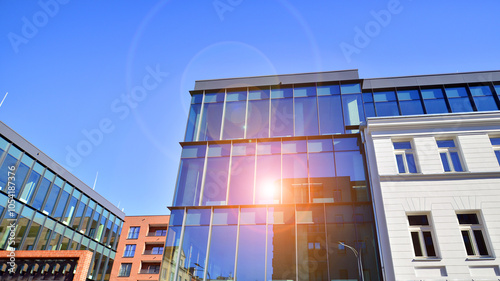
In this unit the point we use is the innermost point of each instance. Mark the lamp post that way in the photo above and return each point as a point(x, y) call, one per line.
point(203, 269)
point(358, 258)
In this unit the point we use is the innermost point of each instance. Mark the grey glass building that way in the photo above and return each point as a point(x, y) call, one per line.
point(53, 208)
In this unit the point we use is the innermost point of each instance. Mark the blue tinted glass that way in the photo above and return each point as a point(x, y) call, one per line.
point(497, 153)
point(387, 108)
point(214, 97)
point(402, 145)
point(225, 216)
point(319, 145)
point(215, 150)
point(331, 120)
point(4, 170)
point(480, 91)
point(485, 103)
point(408, 95)
point(353, 109)
point(258, 119)
point(327, 90)
point(196, 99)
point(400, 162)
point(304, 91)
point(350, 88)
point(40, 195)
point(306, 117)
point(444, 160)
point(281, 92)
point(295, 188)
point(350, 164)
point(455, 159)
point(460, 104)
point(194, 246)
point(435, 106)
point(258, 94)
point(281, 117)
point(20, 174)
point(456, 92)
point(446, 143)
point(236, 96)
point(63, 199)
point(384, 96)
point(273, 147)
point(29, 186)
point(222, 252)
point(194, 116)
point(193, 151)
point(412, 107)
point(432, 93)
point(51, 200)
point(234, 120)
point(244, 148)
point(495, 141)
point(241, 182)
point(410, 161)
point(497, 89)
point(176, 217)
point(294, 146)
point(215, 187)
point(345, 144)
point(210, 124)
point(268, 179)
point(367, 97)
point(370, 109)
point(189, 182)
point(198, 217)
point(321, 165)
point(251, 253)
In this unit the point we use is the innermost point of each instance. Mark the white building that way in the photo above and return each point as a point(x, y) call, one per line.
point(436, 194)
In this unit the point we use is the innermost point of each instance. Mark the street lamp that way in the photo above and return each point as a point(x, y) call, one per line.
point(358, 258)
point(203, 269)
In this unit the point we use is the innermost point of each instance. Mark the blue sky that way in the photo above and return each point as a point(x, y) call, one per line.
point(70, 68)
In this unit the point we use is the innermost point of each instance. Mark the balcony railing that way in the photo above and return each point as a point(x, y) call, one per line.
point(153, 233)
point(153, 252)
point(150, 271)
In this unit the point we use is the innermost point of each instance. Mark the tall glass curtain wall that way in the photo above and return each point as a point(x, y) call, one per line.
point(319, 170)
point(52, 214)
point(321, 108)
point(283, 242)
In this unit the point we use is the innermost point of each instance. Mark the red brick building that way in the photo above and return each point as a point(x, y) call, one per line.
point(140, 248)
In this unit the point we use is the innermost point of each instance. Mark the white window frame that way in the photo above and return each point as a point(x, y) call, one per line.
point(448, 151)
point(404, 153)
point(495, 147)
point(470, 229)
point(420, 229)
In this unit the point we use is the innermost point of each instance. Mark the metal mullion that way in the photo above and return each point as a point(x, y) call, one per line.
point(296, 244)
point(196, 134)
point(39, 234)
point(255, 174)
point(180, 244)
point(270, 111)
point(223, 115)
point(293, 109)
point(237, 243)
point(246, 116)
point(202, 188)
point(265, 251)
point(317, 109)
point(281, 172)
point(209, 242)
point(30, 168)
point(326, 244)
point(229, 172)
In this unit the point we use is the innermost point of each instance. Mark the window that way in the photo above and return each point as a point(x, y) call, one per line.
point(449, 156)
point(157, 251)
point(129, 251)
point(125, 270)
point(404, 157)
point(421, 236)
point(472, 234)
point(161, 232)
point(133, 233)
point(495, 142)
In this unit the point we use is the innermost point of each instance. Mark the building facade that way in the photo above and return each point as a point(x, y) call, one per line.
point(273, 181)
point(140, 249)
point(52, 209)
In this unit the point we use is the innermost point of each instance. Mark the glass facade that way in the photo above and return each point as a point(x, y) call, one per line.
point(52, 214)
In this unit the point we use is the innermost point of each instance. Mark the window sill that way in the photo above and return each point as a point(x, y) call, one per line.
point(487, 258)
point(426, 259)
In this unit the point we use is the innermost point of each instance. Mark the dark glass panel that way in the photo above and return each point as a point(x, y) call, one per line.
point(241, 184)
point(429, 244)
point(435, 106)
point(310, 214)
point(29, 187)
point(331, 120)
point(384, 96)
point(281, 215)
point(225, 216)
point(320, 145)
point(481, 244)
point(459, 100)
point(198, 217)
point(268, 179)
point(171, 251)
point(455, 159)
point(194, 116)
point(418, 220)
point(444, 160)
point(194, 249)
point(467, 242)
point(495, 141)
point(402, 145)
point(4, 171)
point(78, 215)
point(214, 96)
point(327, 90)
point(251, 252)
point(350, 88)
point(29, 241)
point(353, 109)
point(40, 195)
point(445, 143)
point(311, 250)
point(51, 200)
point(342, 262)
point(370, 109)
point(367, 97)
point(22, 225)
point(306, 116)
point(216, 176)
point(222, 253)
point(485, 103)
point(63, 199)
point(281, 92)
point(281, 264)
point(400, 162)
point(322, 177)
point(176, 217)
point(234, 120)
point(197, 98)
point(258, 119)
point(210, 124)
point(467, 219)
point(412, 107)
point(20, 174)
point(416, 244)
point(350, 164)
point(345, 144)
point(387, 108)
point(281, 117)
point(340, 214)
point(497, 153)
point(410, 161)
point(189, 182)
point(86, 220)
point(194, 151)
point(295, 186)
point(407, 95)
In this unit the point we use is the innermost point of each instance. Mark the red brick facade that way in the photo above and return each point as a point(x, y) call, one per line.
point(145, 260)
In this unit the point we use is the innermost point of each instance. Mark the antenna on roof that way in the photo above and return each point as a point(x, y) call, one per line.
point(93, 188)
point(4, 98)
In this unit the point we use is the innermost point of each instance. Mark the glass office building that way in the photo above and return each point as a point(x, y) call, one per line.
point(272, 180)
point(54, 209)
